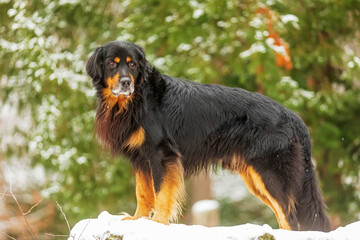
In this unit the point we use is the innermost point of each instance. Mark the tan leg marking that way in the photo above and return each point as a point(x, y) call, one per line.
point(145, 196)
point(168, 202)
point(257, 187)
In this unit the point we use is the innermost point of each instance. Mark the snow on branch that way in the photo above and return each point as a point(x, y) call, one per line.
point(107, 227)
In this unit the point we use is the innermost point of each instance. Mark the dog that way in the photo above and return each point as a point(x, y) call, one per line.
point(170, 128)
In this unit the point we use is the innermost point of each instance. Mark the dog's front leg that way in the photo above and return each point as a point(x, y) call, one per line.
point(170, 194)
point(145, 195)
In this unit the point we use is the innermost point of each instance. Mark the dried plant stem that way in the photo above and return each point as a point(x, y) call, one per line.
point(22, 212)
point(55, 235)
point(33, 207)
point(3, 194)
point(7, 235)
point(67, 222)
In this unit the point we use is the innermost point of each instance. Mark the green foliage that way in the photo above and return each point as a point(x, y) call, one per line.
point(248, 210)
point(109, 236)
point(266, 236)
point(45, 44)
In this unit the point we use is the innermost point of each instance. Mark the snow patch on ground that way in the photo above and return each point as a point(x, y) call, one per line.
point(108, 226)
point(205, 206)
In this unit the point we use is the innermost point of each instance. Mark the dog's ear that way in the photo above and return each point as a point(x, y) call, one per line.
point(95, 65)
point(142, 61)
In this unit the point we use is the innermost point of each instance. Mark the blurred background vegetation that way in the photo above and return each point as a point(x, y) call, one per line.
point(304, 54)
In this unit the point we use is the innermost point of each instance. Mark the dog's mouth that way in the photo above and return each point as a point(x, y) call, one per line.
point(124, 87)
point(126, 93)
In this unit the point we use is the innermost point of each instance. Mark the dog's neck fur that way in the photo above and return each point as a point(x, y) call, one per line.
point(114, 126)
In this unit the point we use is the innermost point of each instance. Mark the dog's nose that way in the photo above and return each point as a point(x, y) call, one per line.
point(125, 82)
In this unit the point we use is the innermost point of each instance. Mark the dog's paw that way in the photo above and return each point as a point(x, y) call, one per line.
point(158, 220)
point(129, 218)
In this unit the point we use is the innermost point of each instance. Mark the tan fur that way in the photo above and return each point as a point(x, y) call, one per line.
point(256, 186)
point(136, 139)
point(111, 100)
point(168, 202)
point(145, 196)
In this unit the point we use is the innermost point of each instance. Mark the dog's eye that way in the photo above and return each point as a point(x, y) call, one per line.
point(131, 64)
point(112, 64)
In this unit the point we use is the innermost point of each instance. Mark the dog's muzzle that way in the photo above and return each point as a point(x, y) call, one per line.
point(124, 87)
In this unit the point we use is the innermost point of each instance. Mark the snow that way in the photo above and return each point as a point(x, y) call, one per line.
point(288, 81)
point(17, 172)
point(226, 185)
point(108, 226)
point(289, 18)
point(279, 49)
point(357, 60)
point(254, 48)
point(198, 13)
point(205, 206)
point(183, 47)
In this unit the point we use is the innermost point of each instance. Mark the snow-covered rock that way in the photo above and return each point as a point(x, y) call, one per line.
point(111, 227)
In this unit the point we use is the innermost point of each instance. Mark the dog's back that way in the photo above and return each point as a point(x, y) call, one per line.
point(240, 130)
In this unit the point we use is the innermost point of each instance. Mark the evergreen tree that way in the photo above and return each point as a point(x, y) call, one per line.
point(304, 54)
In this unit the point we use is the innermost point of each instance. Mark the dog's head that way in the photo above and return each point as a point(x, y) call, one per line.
point(116, 68)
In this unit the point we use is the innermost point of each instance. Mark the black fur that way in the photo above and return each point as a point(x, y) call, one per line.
point(206, 125)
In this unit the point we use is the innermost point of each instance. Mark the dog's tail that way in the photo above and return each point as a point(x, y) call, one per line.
point(310, 207)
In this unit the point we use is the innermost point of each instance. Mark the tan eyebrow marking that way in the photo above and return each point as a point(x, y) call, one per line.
point(117, 59)
point(128, 59)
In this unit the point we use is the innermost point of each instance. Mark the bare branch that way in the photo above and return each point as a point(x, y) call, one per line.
point(33, 207)
point(22, 212)
point(67, 222)
point(3, 194)
point(7, 235)
point(55, 235)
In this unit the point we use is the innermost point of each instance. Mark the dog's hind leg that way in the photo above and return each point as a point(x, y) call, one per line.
point(280, 203)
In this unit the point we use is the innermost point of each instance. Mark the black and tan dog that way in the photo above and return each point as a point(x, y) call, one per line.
point(170, 128)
